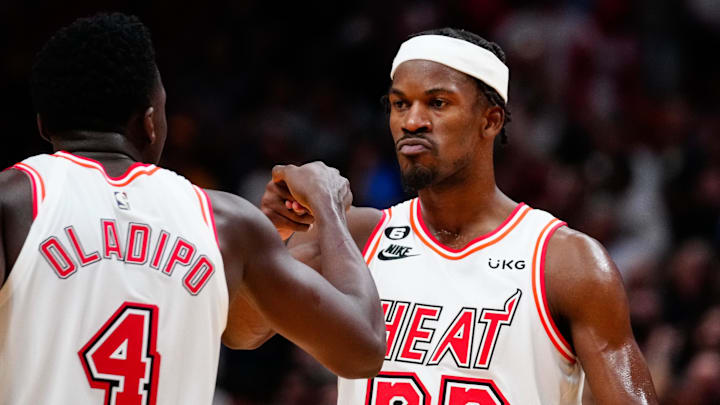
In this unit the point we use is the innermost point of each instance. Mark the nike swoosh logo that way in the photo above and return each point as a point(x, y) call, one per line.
point(381, 256)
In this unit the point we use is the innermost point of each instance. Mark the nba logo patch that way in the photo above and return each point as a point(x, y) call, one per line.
point(121, 199)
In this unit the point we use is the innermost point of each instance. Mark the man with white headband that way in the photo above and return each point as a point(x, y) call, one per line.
point(486, 300)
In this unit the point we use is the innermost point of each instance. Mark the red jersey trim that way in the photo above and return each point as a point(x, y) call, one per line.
point(136, 170)
point(37, 183)
point(374, 232)
point(202, 204)
point(206, 209)
point(424, 234)
point(538, 283)
point(212, 216)
point(376, 236)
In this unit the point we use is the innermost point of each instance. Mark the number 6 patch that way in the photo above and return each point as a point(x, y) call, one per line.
point(121, 358)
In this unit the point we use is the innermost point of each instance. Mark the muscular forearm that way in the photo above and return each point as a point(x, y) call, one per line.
point(619, 375)
point(340, 260)
point(344, 268)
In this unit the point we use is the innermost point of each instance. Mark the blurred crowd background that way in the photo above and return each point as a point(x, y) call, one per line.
point(616, 129)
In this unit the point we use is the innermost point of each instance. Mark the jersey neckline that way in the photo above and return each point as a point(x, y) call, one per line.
point(132, 172)
point(482, 241)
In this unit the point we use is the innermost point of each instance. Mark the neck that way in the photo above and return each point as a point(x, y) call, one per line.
point(458, 213)
point(114, 151)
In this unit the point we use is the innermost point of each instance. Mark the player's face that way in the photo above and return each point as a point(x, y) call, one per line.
point(436, 121)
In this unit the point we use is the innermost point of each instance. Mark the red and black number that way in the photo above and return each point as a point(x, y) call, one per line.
point(389, 388)
point(464, 391)
point(122, 359)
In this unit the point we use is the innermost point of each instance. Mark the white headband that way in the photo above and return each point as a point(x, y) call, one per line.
point(460, 55)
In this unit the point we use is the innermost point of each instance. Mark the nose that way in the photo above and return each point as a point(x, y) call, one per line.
point(417, 119)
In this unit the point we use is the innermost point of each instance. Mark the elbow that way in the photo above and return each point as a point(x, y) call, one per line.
point(369, 361)
point(242, 345)
point(369, 368)
point(245, 343)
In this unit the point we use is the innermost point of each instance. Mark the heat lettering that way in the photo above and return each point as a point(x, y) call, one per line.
point(417, 333)
point(392, 324)
point(457, 339)
point(494, 320)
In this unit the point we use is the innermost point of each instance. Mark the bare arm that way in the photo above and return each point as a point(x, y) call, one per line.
point(2, 245)
point(16, 210)
point(336, 317)
point(586, 293)
point(305, 246)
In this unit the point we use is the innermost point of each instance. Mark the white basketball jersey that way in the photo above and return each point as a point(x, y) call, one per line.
point(118, 295)
point(468, 326)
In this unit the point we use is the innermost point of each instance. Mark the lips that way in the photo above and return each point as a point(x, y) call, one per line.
point(413, 146)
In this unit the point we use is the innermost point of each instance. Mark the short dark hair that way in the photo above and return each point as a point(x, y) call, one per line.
point(490, 94)
point(94, 74)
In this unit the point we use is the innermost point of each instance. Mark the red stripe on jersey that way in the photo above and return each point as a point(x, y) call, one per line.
point(212, 216)
point(469, 244)
point(541, 302)
point(373, 233)
point(36, 188)
point(121, 181)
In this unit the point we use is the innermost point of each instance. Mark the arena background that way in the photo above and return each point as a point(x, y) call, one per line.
point(615, 129)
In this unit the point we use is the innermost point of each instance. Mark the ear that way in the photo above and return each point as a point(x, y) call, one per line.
point(493, 120)
point(149, 125)
point(41, 130)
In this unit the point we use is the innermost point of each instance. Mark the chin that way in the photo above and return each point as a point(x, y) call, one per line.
point(417, 177)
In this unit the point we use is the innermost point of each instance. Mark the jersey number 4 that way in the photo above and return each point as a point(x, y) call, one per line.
point(121, 358)
point(390, 388)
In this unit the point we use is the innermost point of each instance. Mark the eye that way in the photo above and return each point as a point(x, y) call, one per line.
point(399, 104)
point(438, 103)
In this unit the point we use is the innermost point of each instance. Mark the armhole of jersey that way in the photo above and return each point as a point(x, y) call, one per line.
point(374, 240)
point(538, 283)
point(207, 212)
point(37, 183)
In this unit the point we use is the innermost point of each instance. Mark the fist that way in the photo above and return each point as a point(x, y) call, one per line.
point(295, 195)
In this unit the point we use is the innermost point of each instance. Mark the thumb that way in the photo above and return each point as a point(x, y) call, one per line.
point(278, 173)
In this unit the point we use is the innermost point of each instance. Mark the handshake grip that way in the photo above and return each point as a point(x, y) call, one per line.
point(298, 195)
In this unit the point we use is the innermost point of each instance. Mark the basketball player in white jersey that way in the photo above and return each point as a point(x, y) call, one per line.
point(486, 300)
point(119, 278)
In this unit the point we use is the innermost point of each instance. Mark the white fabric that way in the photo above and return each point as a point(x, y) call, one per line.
point(47, 320)
point(460, 55)
point(413, 272)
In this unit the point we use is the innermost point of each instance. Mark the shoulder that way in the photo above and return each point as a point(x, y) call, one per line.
point(16, 214)
point(16, 188)
point(579, 270)
point(362, 222)
point(235, 216)
point(244, 234)
point(574, 254)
